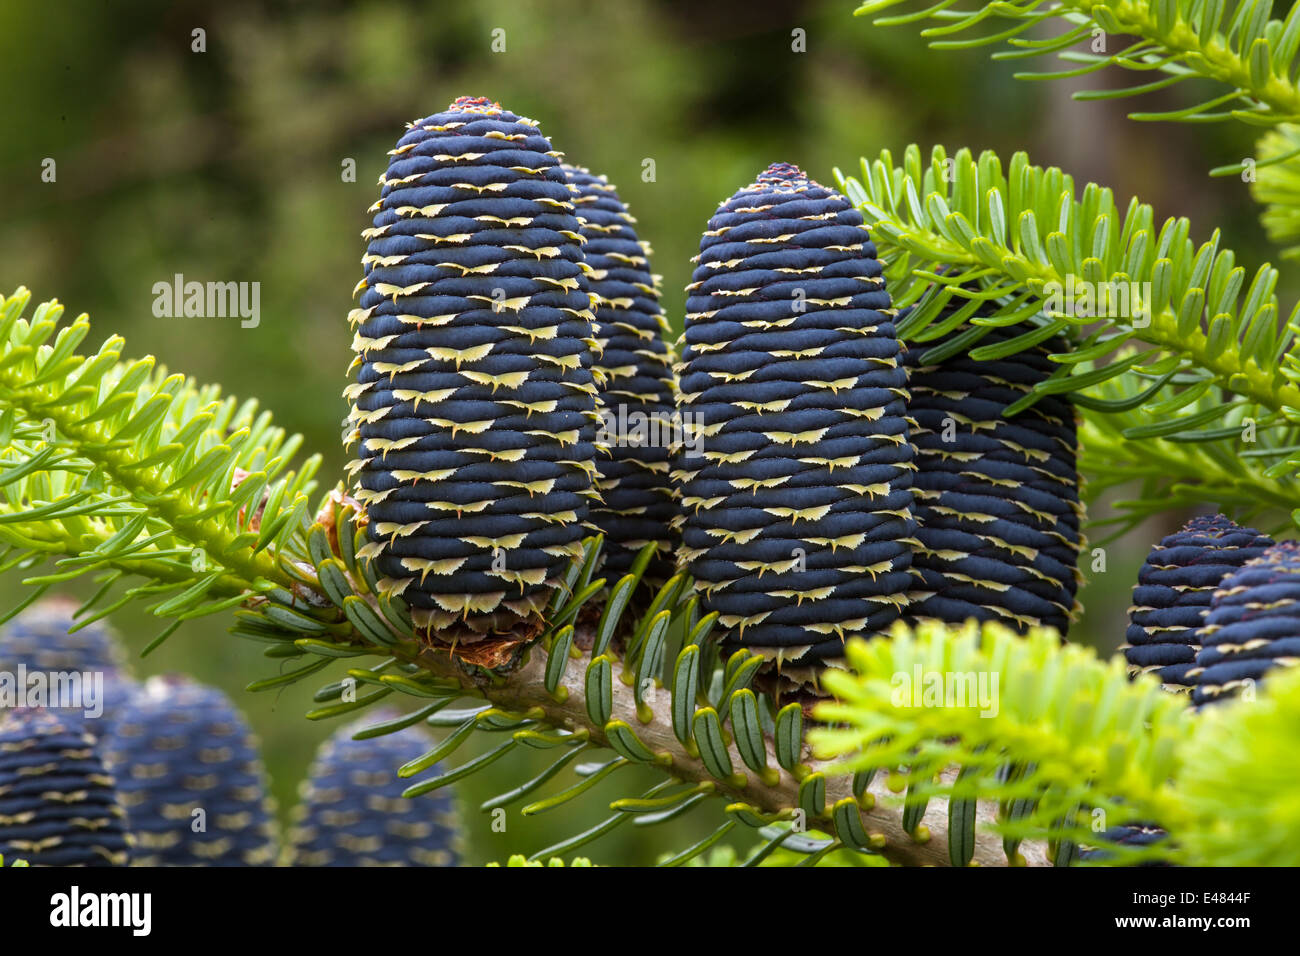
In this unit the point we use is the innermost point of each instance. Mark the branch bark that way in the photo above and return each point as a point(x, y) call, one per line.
point(525, 690)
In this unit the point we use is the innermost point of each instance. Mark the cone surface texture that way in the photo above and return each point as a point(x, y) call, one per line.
point(1128, 835)
point(353, 813)
point(84, 671)
point(1174, 590)
point(634, 378)
point(58, 804)
point(191, 778)
point(795, 482)
point(997, 498)
point(473, 399)
point(1253, 625)
point(40, 638)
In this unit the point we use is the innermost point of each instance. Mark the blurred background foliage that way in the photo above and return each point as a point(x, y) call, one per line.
point(227, 165)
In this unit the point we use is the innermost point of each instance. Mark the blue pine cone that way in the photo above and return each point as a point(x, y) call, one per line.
point(79, 674)
point(1175, 587)
point(40, 638)
point(473, 396)
point(191, 778)
point(795, 480)
point(1135, 835)
point(353, 813)
point(634, 381)
point(1253, 625)
point(58, 803)
point(997, 498)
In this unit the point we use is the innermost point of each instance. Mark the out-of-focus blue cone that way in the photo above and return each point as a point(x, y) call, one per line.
point(191, 778)
point(58, 803)
point(353, 813)
point(79, 674)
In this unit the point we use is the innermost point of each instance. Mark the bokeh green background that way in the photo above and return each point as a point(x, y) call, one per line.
point(227, 165)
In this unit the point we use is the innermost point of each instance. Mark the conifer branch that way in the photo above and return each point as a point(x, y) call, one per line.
point(119, 470)
point(748, 797)
point(1236, 44)
point(1155, 321)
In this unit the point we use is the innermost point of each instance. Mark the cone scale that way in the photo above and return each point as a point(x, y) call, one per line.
point(472, 395)
point(1128, 835)
point(353, 813)
point(1253, 625)
point(635, 384)
point(42, 639)
point(191, 778)
point(1174, 591)
point(58, 803)
point(795, 480)
point(997, 497)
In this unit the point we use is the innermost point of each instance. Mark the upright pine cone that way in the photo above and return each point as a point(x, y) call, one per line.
point(997, 498)
point(353, 813)
point(634, 379)
point(58, 804)
point(191, 778)
point(41, 640)
point(1253, 625)
point(473, 397)
point(1174, 591)
point(796, 481)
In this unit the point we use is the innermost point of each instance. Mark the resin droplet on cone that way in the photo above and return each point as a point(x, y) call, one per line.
point(473, 396)
point(58, 803)
point(1175, 587)
point(635, 384)
point(796, 502)
point(1253, 625)
point(353, 813)
point(191, 778)
point(997, 498)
